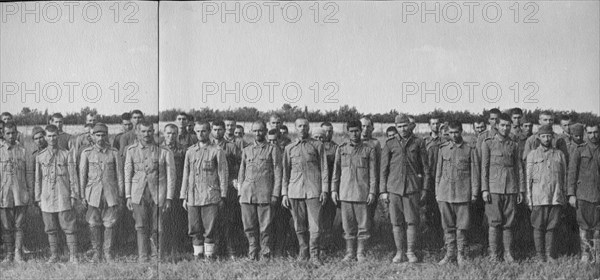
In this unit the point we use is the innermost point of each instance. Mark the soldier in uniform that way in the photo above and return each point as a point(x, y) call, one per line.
point(565, 123)
point(527, 126)
point(176, 219)
point(354, 187)
point(15, 193)
point(329, 209)
point(545, 191)
point(7, 117)
point(184, 138)
point(533, 141)
point(149, 189)
point(259, 189)
point(190, 126)
point(103, 190)
point(84, 139)
point(130, 137)
point(478, 229)
point(230, 125)
point(239, 133)
point(275, 123)
point(457, 184)
point(368, 139)
point(584, 192)
point(127, 126)
point(232, 220)
point(404, 169)
point(305, 188)
point(493, 119)
point(283, 130)
point(64, 139)
point(204, 190)
point(391, 132)
point(429, 213)
point(272, 136)
point(502, 184)
point(56, 193)
point(33, 217)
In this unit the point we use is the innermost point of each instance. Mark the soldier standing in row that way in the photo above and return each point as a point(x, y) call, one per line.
point(184, 138)
point(128, 138)
point(493, 119)
point(502, 184)
point(259, 189)
point(239, 133)
point(404, 169)
point(305, 188)
point(56, 192)
point(354, 187)
point(15, 193)
point(457, 185)
point(545, 118)
point(368, 139)
point(149, 189)
point(204, 190)
point(584, 192)
point(103, 190)
point(429, 211)
point(64, 139)
point(127, 126)
point(7, 117)
point(329, 209)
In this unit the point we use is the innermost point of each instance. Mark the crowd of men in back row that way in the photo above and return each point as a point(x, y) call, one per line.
point(208, 178)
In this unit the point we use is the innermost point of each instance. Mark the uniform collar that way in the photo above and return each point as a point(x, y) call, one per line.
point(459, 145)
point(545, 149)
point(98, 148)
point(260, 144)
point(501, 138)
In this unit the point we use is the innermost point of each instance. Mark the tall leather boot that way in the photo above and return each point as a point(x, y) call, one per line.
point(461, 244)
point(53, 242)
point(597, 247)
point(19, 246)
point(108, 241)
point(493, 243)
point(96, 247)
point(411, 242)
point(507, 239)
point(72, 244)
point(252, 246)
point(550, 245)
point(360, 250)
point(349, 256)
point(142, 245)
point(399, 236)
point(450, 240)
point(303, 244)
point(9, 247)
point(540, 249)
point(586, 246)
point(315, 255)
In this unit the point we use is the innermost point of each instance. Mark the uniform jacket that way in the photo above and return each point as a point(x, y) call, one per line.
point(457, 173)
point(55, 180)
point(533, 142)
point(260, 173)
point(584, 173)
point(233, 154)
point(179, 157)
point(375, 145)
point(330, 148)
point(432, 145)
point(15, 188)
point(186, 139)
point(282, 142)
point(354, 176)
point(205, 175)
point(501, 167)
point(404, 166)
point(546, 177)
point(485, 135)
point(128, 138)
point(305, 172)
point(64, 140)
point(101, 174)
point(151, 167)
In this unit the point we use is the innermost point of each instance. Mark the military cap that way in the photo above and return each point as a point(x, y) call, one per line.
point(576, 129)
point(37, 130)
point(100, 127)
point(402, 118)
point(545, 129)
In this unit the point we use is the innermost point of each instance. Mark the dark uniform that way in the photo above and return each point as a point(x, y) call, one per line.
point(259, 180)
point(381, 212)
point(284, 241)
point(329, 209)
point(522, 228)
point(176, 220)
point(186, 139)
point(429, 212)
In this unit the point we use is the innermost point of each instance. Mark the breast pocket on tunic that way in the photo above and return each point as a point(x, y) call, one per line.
point(94, 171)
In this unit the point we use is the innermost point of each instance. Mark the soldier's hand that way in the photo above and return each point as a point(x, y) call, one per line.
point(573, 201)
point(235, 184)
point(520, 198)
point(168, 205)
point(221, 203)
point(129, 204)
point(385, 197)
point(285, 202)
point(334, 197)
point(274, 200)
point(473, 198)
point(370, 199)
point(184, 204)
point(323, 198)
point(487, 198)
point(84, 203)
point(423, 195)
point(73, 201)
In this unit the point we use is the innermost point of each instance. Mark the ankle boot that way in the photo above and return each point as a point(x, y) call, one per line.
point(108, 241)
point(493, 243)
point(399, 236)
point(349, 256)
point(303, 246)
point(585, 246)
point(507, 238)
point(411, 242)
point(252, 246)
point(72, 244)
point(53, 242)
point(142, 245)
point(360, 250)
point(315, 256)
point(450, 241)
point(19, 246)
point(10, 251)
point(461, 242)
point(540, 249)
point(550, 245)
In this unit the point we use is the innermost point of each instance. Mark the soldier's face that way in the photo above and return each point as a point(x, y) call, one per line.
point(170, 135)
point(354, 134)
point(455, 134)
point(127, 125)
point(578, 138)
point(493, 119)
point(238, 132)
point(403, 129)
point(146, 134)
point(327, 133)
point(91, 119)
point(434, 125)
point(545, 139)
point(546, 119)
point(592, 133)
point(391, 134)
point(479, 127)
point(413, 124)
point(504, 128)
point(516, 119)
point(275, 123)
point(202, 132)
point(218, 132)
point(58, 122)
point(10, 135)
point(230, 127)
point(366, 127)
point(528, 127)
point(302, 128)
point(39, 140)
point(564, 124)
point(6, 118)
point(181, 121)
point(260, 132)
point(283, 131)
point(136, 118)
point(101, 138)
point(272, 139)
point(51, 138)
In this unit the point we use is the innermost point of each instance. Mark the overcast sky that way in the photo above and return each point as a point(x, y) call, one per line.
point(376, 56)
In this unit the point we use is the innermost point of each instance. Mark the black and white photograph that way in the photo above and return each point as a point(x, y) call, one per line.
point(300, 140)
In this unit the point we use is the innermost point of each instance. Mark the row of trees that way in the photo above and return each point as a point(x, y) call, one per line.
point(287, 112)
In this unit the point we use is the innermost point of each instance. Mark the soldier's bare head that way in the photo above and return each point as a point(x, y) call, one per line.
point(136, 117)
point(283, 130)
point(181, 120)
point(354, 130)
point(565, 122)
point(391, 131)
point(259, 129)
point(218, 130)
point(516, 115)
point(546, 117)
point(592, 131)
point(327, 128)
point(434, 123)
point(275, 122)
point(51, 135)
point(38, 134)
point(202, 130)
point(366, 126)
point(479, 125)
point(57, 119)
point(1, 129)
point(493, 116)
point(455, 131)
point(171, 133)
point(239, 131)
point(230, 125)
point(302, 127)
point(126, 122)
point(146, 132)
point(504, 124)
point(10, 132)
point(91, 118)
point(6, 117)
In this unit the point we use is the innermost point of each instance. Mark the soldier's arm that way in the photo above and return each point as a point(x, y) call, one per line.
point(575, 162)
point(432, 157)
point(223, 171)
point(337, 171)
point(83, 172)
point(287, 168)
point(120, 174)
point(564, 168)
point(528, 147)
point(38, 180)
point(128, 170)
point(384, 168)
point(171, 176)
point(531, 169)
point(485, 166)
point(438, 168)
point(561, 144)
point(372, 171)
point(519, 164)
point(30, 173)
point(242, 170)
point(184, 180)
point(324, 168)
point(72, 178)
point(425, 165)
point(475, 176)
point(377, 165)
point(278, 169)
